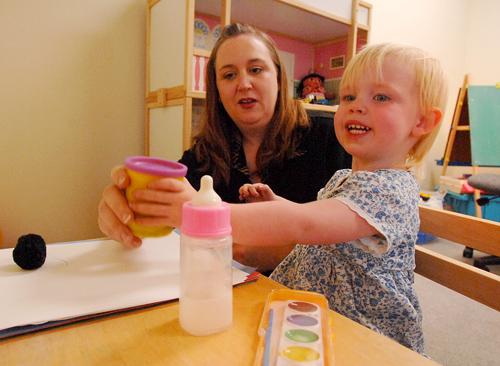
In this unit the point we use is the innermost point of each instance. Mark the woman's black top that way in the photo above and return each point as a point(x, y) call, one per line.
point(298, 179)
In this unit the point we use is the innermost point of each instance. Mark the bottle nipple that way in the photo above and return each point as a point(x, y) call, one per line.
point(206, 196)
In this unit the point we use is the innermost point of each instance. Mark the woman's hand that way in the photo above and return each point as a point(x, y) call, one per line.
point(114, 212)
point(161, 203)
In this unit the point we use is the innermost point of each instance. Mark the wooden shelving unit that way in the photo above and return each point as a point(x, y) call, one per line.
point(174, 91)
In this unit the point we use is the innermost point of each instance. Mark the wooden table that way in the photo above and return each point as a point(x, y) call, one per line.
point(153, 337)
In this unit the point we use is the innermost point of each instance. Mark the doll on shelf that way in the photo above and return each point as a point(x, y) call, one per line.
point(311, 89)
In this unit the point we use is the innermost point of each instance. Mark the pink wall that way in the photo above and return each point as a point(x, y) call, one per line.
point(304, 54)
point(322, 59)
point(323, 54)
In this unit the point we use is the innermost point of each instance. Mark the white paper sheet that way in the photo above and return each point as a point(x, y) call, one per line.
point(90, 277)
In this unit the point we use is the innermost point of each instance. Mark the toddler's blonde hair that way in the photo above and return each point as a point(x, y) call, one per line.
point(429, 77)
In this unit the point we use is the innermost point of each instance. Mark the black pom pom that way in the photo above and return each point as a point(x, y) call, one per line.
point(30, 251)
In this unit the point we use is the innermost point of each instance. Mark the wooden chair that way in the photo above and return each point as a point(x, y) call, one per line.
point(489, 184)
point(480, 234)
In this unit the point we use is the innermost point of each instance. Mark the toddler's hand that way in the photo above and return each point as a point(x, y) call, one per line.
point(257, 192)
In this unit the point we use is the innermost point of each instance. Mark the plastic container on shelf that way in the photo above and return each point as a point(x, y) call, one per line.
point(424, 238)
point(433, 199)
point(464, 204)
point(455, 184)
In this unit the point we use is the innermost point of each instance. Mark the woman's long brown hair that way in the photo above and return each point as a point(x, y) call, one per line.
point(212, 144)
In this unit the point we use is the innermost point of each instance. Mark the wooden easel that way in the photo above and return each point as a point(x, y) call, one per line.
point(458, 146)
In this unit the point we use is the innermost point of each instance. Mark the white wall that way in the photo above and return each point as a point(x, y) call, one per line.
point(482, 55)
point(461, 33)
point(72, 86)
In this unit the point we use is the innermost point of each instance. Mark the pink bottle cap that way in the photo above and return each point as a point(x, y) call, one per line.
point(206, 221)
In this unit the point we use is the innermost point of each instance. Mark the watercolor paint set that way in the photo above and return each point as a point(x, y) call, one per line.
point(295, 330)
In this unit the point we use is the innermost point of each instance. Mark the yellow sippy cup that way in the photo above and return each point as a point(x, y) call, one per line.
point(143, 170)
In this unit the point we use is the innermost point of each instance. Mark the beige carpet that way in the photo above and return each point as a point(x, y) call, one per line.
point(458, 331)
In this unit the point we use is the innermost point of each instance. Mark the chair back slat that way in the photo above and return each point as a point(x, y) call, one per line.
point(483, 235)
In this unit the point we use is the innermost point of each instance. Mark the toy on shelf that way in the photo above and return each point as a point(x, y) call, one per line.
point(425, 196)
point(311, 89)
point(201, 34)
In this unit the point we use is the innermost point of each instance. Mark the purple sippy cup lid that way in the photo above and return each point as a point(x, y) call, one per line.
point(156, 166)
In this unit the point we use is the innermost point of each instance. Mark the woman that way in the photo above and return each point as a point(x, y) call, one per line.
point(252, 132)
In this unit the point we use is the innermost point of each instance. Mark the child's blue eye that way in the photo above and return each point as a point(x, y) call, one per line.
point(381, 98)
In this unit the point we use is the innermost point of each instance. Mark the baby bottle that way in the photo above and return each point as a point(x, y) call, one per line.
point(206, 291)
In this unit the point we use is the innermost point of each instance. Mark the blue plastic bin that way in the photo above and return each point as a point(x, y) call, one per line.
point(464, 203)
point(424, 238)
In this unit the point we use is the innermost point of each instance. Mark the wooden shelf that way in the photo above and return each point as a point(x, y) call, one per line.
point(201, 52)
point(320, 107)
point(284, 14)
point(197, 94)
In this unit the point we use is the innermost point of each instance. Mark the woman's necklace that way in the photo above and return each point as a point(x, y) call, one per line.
point(254, 177)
